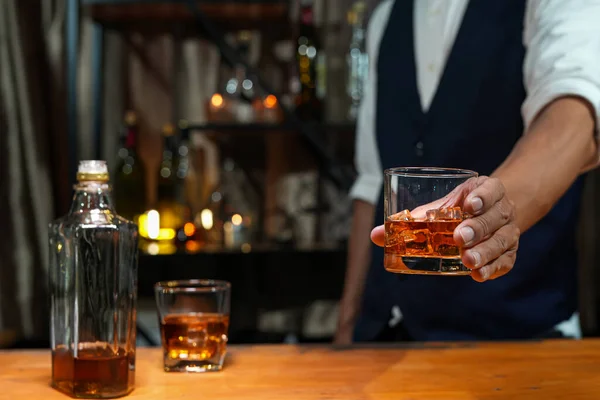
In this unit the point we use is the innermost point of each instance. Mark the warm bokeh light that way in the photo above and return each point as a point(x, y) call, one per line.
point(166, 234)
point(246, 248)
point(189, 229)
point(153, 224)
point(143, 225)
point(153, 249)
point(149, 227)
point(270, 101)
point(192, 246)
point(236, 219)
point(206, 217)
point(217, 100)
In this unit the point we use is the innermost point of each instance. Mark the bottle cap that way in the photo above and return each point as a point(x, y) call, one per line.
point(92, 170)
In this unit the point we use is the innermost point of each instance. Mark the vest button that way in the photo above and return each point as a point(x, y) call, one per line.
point(419, 148)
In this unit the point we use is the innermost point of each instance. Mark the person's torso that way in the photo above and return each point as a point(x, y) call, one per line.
point(473, 122)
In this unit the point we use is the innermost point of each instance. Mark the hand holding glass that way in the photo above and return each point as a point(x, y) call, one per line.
point(421, 214)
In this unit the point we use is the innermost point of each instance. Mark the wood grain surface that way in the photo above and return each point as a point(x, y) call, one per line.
point(509, 370)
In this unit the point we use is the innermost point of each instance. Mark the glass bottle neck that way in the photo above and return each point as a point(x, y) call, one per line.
point(92, 195)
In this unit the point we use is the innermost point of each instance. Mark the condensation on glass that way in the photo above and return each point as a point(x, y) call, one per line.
point(93, 287)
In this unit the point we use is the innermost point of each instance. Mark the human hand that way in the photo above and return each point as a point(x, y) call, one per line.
point(489, 240)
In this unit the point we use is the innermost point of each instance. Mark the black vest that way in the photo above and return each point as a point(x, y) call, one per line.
point(473, 122)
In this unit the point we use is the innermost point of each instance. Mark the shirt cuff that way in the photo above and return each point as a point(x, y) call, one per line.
point(367, 188)
point(564, 87)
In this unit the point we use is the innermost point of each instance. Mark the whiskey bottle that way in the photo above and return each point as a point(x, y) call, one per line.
point(130, 175)
point(171, 196)
point(357, 58)
point(93, 286)
point(310, 59)
point(186, 182)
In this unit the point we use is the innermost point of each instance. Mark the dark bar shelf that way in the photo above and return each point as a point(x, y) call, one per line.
point(230, 14)
point(237, 128)
point(246, 142)
point(258, 249)
point(276, 279)
point(210, 19)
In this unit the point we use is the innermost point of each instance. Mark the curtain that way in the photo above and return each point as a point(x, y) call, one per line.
point(26, 195)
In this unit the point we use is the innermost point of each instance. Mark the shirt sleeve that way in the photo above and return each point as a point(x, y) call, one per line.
point(562, 40)
point(368, 184)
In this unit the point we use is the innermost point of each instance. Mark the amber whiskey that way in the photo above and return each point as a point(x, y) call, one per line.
point(429, 237)
point(194, 342)
point(95, 372)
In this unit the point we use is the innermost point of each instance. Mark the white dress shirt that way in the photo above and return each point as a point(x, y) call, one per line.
point(562, 41)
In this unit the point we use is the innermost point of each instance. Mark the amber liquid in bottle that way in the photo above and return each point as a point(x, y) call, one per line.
point(93, 372)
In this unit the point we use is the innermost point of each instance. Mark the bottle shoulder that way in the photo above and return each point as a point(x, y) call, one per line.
point(125, 222)
point(94, 219)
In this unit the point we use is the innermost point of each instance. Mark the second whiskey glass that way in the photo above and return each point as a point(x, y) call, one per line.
point(194, 323)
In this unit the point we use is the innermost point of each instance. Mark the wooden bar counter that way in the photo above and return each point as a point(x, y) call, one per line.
point(554, 369)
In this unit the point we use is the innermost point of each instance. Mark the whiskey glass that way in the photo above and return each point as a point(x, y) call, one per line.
point(422, 207)
point(194, 323)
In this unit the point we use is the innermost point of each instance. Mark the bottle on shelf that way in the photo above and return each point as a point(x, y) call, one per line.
point(187, 238)
point(311, 66)
point(233, 99)
point(130, 175)
point(241, 87)
point(238, 207)
point(357, 58)
point(92, 282)
point(270, 110)
point(162, 223)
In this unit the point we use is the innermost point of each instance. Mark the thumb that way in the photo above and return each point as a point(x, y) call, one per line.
point(378, 235)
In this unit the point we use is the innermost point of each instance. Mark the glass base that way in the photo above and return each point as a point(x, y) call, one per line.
point(425, 265)
point(89, 392)
point(181, 364)
point(191, 366)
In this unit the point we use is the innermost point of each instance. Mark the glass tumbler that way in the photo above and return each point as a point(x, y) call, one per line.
point(422, 207)
point(194, 322)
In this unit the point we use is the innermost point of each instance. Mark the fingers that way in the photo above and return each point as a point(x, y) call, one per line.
point(475, 196)
point(494, 257)
point(482, 197)
point(378, 235)
point(500, 266)
point(474, 230)
point(455, 198)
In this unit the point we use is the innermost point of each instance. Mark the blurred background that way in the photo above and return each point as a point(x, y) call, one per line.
point(228, 126)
